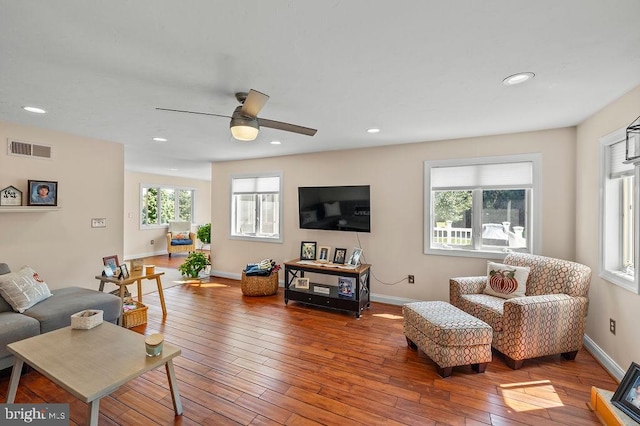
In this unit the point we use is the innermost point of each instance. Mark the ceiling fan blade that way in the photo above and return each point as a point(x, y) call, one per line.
point(254, 103)
point(286, 127)
point(193, 112)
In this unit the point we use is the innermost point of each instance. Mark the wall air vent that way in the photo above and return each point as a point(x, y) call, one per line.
point(25, 149)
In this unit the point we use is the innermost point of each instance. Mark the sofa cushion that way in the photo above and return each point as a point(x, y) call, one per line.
point(56, 311)
point(485, 307)
point(182, 242)
point(15, 327)
point(23, 289)
point(506, 281)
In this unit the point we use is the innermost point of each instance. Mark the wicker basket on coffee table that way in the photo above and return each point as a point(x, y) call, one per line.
point(255, 285)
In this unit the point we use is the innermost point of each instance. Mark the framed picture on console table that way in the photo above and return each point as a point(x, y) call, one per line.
point(340, 256)
point(308, 250)
point(627, 396)
point(354, 260)
point(323, 254)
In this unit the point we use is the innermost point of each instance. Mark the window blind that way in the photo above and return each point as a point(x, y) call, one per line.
point(482, 175)
point(254, 185)
point(617, 167)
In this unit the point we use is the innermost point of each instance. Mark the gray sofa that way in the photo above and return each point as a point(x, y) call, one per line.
point(50, 314)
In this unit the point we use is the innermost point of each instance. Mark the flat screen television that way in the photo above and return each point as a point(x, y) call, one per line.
point(335, 208)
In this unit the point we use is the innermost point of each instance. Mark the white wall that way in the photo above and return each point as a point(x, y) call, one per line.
point(606, 300)
point(136, 240)
point(61, 245)
point(395, 173)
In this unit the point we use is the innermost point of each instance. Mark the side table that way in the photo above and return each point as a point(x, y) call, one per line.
point(134, 278)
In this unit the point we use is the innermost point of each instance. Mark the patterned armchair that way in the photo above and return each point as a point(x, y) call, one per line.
point(180, 239)
point(548, 320)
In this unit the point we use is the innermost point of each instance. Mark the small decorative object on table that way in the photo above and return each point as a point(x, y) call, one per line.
point(87, 319)
point(136, 265)
point(124, 272)
point(153, 344)
point(302, 283)
point(111, 262)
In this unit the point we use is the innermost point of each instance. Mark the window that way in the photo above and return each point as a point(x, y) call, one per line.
point(256, 209)
point(617, 213)
point(476, 207)
point(160, 204)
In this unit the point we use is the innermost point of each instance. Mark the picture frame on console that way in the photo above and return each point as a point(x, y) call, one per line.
point(308, 250)
point(323, 254)
point(302, 283)
point(340, 256)
point(354, 260)
point(627, 396)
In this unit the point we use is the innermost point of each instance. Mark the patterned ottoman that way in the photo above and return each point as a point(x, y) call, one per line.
point(448, 335)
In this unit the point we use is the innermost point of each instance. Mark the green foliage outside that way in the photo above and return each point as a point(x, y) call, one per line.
point(451, 205)
point(167, 205)
point(204, 233)
point(195, 263)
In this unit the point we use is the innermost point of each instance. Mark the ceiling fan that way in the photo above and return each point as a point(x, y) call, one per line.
point(245, 123)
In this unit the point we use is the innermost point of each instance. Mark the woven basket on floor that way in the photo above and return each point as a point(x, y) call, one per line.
point(255, 285)
point(136, 316)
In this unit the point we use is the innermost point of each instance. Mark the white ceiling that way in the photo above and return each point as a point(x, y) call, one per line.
point(420, 70)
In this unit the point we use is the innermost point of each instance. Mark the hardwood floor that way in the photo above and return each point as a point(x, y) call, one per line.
point(254, 360)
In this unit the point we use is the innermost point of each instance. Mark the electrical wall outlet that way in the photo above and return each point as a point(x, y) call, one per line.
point(411, 279)
point(152, 242)
point(612, 325)
point(100, 222)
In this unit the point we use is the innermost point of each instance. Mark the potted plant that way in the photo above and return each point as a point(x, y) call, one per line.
point(195, 263)
point(204, 234)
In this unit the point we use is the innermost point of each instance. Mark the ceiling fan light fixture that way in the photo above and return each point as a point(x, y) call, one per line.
point(244, 129)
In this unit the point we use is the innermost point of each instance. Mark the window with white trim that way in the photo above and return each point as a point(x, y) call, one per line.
point(482, 207)
point(160, 204)
point(256, 208)
point(618, 215)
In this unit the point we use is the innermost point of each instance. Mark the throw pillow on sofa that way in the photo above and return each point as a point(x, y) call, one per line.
point(23, 289)
point(506, 281)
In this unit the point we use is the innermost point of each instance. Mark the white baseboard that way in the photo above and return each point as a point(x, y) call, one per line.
point(148, 254)
point(391, 300)
point(604, 359)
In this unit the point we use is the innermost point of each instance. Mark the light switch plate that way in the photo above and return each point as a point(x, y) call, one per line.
point(99, 222)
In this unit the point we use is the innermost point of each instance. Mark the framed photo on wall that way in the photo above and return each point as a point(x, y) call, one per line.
point(627, 396)
point(42, 193)
point(308, 250)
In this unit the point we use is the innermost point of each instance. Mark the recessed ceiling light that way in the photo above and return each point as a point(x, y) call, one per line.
point(521, 77)
point(174, 169)
point(160, 139)
point(373, 130)
point(34, 109)
point(275, 142)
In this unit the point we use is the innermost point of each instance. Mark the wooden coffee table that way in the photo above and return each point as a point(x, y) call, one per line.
point(91, 364)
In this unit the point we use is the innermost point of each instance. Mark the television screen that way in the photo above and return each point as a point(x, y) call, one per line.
point(335, 208)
